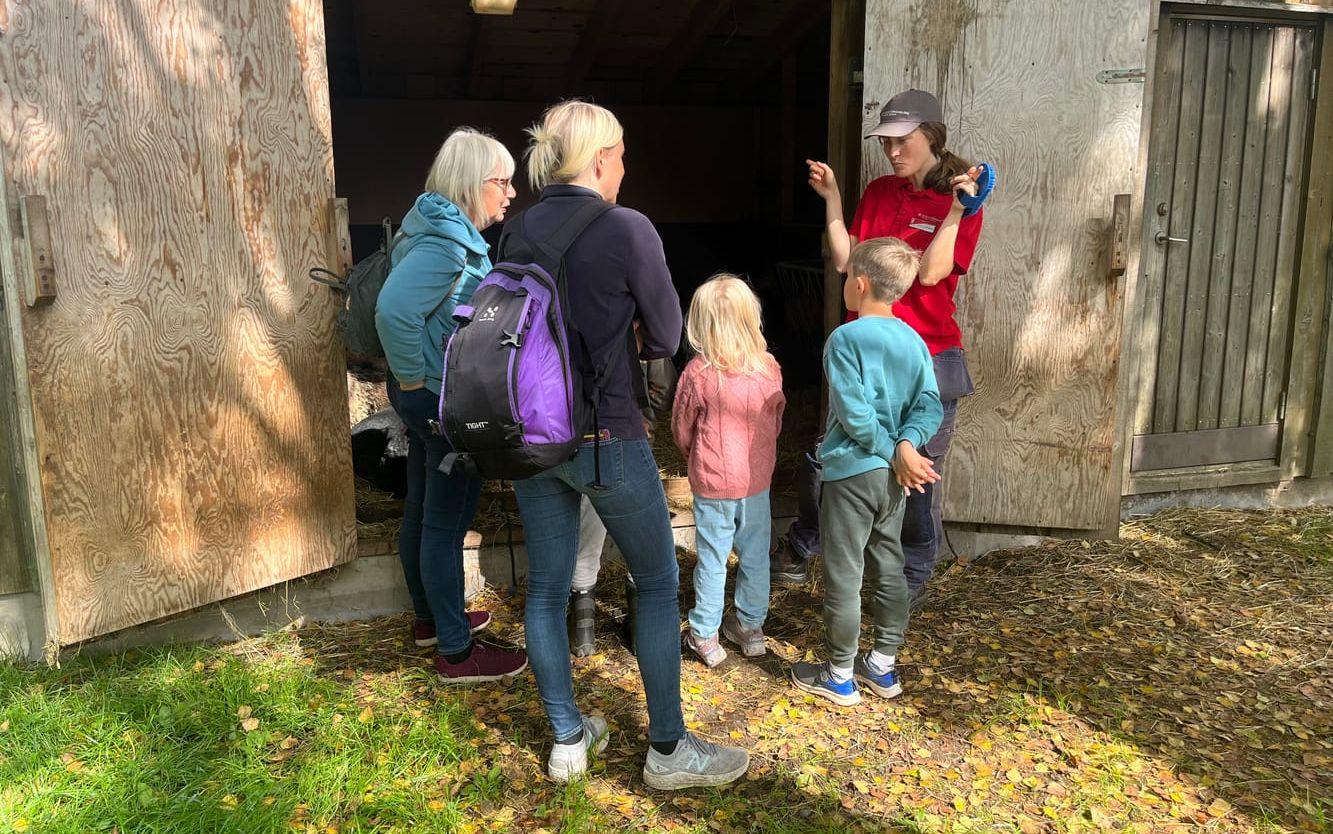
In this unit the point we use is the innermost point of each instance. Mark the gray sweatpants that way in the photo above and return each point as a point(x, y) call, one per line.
point(860, 520)
point(592, 540)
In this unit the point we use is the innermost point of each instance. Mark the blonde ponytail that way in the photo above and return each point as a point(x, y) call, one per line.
point(566, 141)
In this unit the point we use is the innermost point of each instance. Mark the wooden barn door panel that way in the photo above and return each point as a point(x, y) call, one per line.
point(1040, 309)
point(187, 384)
point(1229, 154)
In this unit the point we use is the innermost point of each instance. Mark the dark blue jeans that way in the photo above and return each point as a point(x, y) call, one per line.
point(437, 512)
point(923, 524)
point(633, 507)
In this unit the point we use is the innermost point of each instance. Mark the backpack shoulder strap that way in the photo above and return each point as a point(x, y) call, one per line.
point(568, 232)
point(516, 245)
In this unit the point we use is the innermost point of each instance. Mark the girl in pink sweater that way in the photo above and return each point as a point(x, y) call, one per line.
point(726, 420)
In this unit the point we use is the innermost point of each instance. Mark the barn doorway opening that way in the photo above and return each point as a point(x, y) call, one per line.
point(721, 101)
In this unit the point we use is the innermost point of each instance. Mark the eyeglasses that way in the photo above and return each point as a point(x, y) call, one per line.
point(502, 182)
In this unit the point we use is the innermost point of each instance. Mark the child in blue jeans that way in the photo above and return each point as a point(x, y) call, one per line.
point(726, 421)
point(883, 406)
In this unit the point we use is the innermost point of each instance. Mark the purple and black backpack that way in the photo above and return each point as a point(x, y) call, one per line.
point(507, 400)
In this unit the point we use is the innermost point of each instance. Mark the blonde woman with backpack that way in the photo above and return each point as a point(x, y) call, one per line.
point(617, 276)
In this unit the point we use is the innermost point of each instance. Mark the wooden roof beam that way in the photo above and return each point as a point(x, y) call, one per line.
point(687, 44)
point(605, 15)
point(801, 17)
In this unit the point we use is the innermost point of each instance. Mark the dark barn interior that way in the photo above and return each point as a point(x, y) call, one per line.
point(721, 102)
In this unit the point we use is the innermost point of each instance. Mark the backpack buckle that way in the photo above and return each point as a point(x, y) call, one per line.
point(513, 340)
point(514, 431)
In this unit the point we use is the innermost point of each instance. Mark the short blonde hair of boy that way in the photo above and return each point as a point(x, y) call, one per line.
point(725, 326)
point(462, 165)
point(888, 263)
point(566, 141)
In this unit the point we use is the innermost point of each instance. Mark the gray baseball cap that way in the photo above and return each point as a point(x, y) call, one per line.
point(905, 112)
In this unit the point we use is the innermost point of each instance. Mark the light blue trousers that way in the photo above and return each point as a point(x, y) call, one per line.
point(723, 525)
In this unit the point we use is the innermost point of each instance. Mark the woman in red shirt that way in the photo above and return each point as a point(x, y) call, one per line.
point(918, 203)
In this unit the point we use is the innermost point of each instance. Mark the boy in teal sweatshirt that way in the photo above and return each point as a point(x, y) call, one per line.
point(883, 406)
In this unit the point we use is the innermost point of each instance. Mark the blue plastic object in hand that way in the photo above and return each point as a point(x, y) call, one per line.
point(985, 185)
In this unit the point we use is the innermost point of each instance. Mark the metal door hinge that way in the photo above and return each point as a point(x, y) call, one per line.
point(1282, 406)
point(1314, 81)
point(1129, 75)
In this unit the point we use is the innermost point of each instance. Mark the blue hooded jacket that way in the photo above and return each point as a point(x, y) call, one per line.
point(436, 267)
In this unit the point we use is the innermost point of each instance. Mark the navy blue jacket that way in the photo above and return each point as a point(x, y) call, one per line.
point(615, 273)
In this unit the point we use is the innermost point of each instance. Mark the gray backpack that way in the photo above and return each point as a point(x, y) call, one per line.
point(360, 290)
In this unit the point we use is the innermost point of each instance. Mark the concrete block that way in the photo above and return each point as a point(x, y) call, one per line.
point(371, 586)
point(22, 633)
point(14, 643)
point(1287, 495)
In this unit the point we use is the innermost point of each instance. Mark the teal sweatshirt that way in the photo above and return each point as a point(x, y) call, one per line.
point(881, 390)
point(436, 266)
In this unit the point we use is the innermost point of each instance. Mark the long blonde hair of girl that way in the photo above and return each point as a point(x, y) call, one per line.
point(725, 327)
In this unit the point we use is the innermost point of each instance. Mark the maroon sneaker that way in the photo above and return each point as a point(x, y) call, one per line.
point(423, 631)
point(486, 663)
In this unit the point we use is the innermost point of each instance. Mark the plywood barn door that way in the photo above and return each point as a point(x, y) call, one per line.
point(1041, 309)
point(186, 379)
point(1229, 153)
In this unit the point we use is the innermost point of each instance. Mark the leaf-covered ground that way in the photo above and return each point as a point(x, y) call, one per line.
point(1180, 679)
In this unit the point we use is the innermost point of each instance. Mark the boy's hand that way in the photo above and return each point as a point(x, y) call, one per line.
point(912, 469)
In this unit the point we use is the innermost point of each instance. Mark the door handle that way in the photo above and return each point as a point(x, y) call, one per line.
point(1162, 238)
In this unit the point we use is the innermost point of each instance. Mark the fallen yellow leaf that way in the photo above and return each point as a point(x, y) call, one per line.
point(1219, 808)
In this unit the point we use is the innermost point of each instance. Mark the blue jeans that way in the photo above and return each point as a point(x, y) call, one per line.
point(633, 506)
point(721, 524)
point(437, 512)
point(923, 519)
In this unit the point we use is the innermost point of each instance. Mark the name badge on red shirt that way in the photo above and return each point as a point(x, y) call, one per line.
point(924, 223)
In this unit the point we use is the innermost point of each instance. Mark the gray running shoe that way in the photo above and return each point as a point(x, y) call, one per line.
point(751, 640)
point(570, 760)
point(695, 764)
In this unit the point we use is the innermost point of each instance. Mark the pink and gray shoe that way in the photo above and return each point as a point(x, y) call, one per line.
point(423, 631)
point(708, 649)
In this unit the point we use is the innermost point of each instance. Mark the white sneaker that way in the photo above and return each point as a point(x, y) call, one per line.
point(570, 760)
point(694, 764)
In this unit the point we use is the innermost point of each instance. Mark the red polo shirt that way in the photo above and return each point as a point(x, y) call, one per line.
point(890, 207)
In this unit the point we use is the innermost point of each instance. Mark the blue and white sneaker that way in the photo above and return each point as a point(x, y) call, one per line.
point(815, 679)
point(885, 685)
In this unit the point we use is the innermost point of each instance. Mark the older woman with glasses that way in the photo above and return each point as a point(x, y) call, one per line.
point(437, 264)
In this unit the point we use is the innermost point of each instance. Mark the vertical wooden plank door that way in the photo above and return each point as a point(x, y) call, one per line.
point(1040, 310)
point(1229, 151)
point(186, 380)
point(13, 568)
